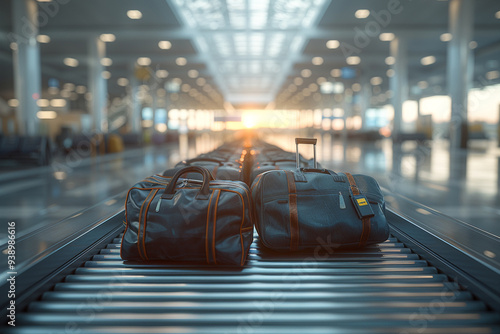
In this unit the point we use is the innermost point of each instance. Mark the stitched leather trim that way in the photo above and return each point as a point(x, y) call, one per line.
point(206, 229)
point(139, 227)
point(365, 232)
point(145, 224)
point(214, 172)
point(294, 215)
point(215, 224)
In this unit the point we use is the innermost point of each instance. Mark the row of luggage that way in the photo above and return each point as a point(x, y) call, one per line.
point(194, 214)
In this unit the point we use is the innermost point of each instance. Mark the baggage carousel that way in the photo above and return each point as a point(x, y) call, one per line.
point(398, 286)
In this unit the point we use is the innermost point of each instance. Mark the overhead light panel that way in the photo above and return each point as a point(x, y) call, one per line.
point(473, 45)
point(446, 37)
point(353, 60)
point(423, 84)
point(43, 103)
point(497, 15)
point(386, 36)
point(106, 61)
point(134, 14)
point(336, 72)
point(390, 60)
point(58, 103)
point(306, 73)
point(429, 60)
point(164, 45)
point(43, 39)
point(193, 74)
point(492, 75)
point(317, 60)
point(332, 44)
point(106, 74)
point(13, 103)
point(162, 74)
point(123, 82)
point(71, 62)
point(362, 13)
point(356, 87)
point(390, 72)
point(107, 38)
point(46, 114)
point(181, 61)
point(201, 81)
point(144, 61)
point(375, 81)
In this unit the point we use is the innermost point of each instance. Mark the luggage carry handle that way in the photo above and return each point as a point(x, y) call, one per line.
point(204, 192)
point(308, 141)
point(217, 161)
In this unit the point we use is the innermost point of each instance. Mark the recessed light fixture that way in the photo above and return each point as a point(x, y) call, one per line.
point(107, 38)
point(317, 60)
point(164, 45)
point(201, 81)
point(306, 73)
point(492, 75)
point(134, 14)
point(386, 36)
point(13, 103)
point(193, 74)
point(162, 74)
point(497, 15)
point(181, 61)
point(106, 61)
point(48, 114)
point(423, 84)
point(320, 80)
point(473, 45)
point(71, 62)
point(298, 81)
point(144, 61)
point(446, 37)
point(332, 44)
point(356, 87)
point(336, 72)
point(43, 39)
point(362, 13)
point(106, 74)
point(80, 89)
point(429, 60)
point(353, 60)
point(44, 103)
point(58, 103)
point(390, 60)
point(390, 72)
point(122, 82)
point(375, 81)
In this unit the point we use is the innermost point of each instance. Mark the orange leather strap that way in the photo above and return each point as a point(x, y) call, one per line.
point(294, 215)
point(365, 233)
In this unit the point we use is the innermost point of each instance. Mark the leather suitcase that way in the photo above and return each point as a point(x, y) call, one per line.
point(174, 219)
point(307, 208)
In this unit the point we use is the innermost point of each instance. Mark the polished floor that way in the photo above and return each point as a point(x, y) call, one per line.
point(464, 185)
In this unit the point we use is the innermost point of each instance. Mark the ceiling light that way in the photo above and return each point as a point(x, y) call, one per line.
point(390, 72)
point(106, 74)
point(181, 61)
point(497, 15)
point(193, 74)
point(80, 89)
point(353, 60)
point(201, 81)
point(122, 82)
point(320, 80)
point(107, 38)
point(429, 60)
point(44, 0)
point(71, 62)
point(473, 45)
point(298, 81)
point(144, 61)
point(13, 46)
point(58, 103)
point(164, 45)
point(317, 60)
point(332, 44)
point(46, 114)
point(446, 37)
point(492, 75)
point(336, 72)
point(306, 73)
point(185, 87)
point(423, 84)
point(43, 103)
point(43, 39)
point(69, 86)
point(13, 103)
point(162, 74)
point(375, 81)
point(390, 60)
point(106, 61)
point(356, 87)
point(386, 36)
point(134, 14)
point(362, 13)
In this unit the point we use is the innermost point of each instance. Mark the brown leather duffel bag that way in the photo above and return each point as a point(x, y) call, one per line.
point(204, 221)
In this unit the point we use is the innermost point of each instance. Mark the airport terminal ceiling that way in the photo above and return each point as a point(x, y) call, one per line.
point(253, 53)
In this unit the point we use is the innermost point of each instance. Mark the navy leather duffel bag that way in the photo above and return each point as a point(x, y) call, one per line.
point(305, 208)
point(175, 219)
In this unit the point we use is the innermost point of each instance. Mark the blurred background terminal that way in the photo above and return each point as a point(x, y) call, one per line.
point(95, 95)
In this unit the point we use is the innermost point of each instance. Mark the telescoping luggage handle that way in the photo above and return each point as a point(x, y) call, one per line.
point(309, 141)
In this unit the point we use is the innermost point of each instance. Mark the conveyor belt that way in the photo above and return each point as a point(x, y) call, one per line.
point(384, 288)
